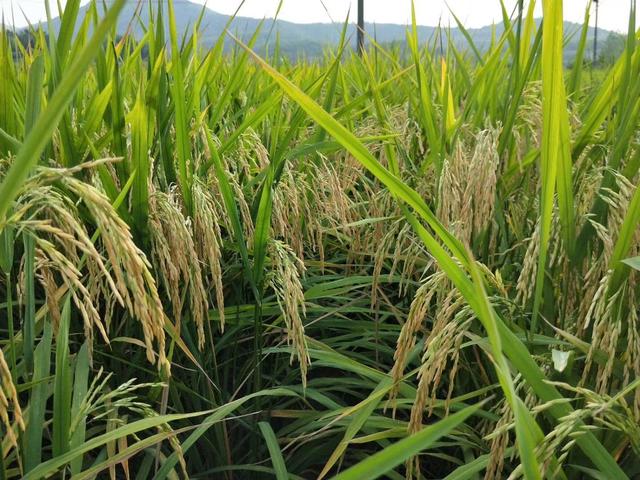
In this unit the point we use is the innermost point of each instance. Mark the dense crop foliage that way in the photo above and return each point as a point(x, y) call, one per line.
point(418, 263)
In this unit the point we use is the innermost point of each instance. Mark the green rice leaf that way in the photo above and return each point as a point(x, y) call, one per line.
point(386, 460)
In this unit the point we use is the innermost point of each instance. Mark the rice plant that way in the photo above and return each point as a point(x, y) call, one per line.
point(420, 261)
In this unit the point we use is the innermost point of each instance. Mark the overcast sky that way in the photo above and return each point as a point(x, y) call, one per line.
point(473, 13)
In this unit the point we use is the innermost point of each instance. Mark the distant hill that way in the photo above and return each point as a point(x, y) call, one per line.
point(308, 39)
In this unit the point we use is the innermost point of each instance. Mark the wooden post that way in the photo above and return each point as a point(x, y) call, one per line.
point(595, 35)
point(360, 26)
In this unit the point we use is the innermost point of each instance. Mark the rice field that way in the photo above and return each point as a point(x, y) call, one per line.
point(421, 262)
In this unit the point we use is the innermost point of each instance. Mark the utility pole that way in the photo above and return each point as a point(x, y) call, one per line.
point(595, 35)
point(360, 26)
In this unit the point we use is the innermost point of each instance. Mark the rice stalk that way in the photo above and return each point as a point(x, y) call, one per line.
point(284, 279)
point(9, 403)
point(176, 259)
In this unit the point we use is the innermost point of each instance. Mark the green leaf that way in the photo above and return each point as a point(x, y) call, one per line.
point(29, 324)
point(624, 243)
point(277, 461)
point(362, 411)
point(7, 241)
point(177, 87)
point(555, 165)
point(141, 137)
point(52, 466)
point(78, 420)
point(386, 460)
point(37, 139)
point(63, 384)
point(34, 94)
point(633, 262)
point(576, 72)
point(32, 453)
point(219, 414)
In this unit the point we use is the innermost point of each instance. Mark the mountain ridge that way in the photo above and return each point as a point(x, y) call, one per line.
point(306, 39)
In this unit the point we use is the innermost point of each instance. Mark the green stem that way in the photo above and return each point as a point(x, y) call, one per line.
point(10, 323)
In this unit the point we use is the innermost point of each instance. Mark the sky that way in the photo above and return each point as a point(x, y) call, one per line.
point(614, 14)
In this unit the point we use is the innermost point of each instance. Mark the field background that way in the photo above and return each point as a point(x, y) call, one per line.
point(420, 262)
